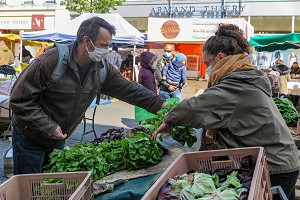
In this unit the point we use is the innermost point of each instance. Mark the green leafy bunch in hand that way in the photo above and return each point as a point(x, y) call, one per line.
point(184, 135)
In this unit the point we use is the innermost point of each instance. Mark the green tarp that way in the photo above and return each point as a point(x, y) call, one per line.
point(275, 42)
point(131, 190)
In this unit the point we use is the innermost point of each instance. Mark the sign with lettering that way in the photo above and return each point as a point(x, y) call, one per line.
point(191, 29)
point(15, 23)
point(37, 22)
point(204, 11)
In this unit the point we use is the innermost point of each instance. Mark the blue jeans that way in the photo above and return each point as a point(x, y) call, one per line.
point(28, 157)
point(166, 94)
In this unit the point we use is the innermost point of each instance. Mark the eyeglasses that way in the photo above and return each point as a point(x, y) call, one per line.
point(168, 51)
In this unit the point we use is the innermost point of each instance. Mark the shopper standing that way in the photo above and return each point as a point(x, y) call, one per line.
point(146, 74)
point(45, 115)
point(239, 107)
point(114, 58)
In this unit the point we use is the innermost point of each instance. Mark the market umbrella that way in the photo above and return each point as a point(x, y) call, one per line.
point(275, 42)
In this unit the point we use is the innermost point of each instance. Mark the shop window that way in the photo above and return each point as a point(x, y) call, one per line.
point(297, 24)
point(271, 24)
point(2, 1)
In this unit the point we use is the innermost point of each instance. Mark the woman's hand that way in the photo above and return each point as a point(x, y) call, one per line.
point(164, 128)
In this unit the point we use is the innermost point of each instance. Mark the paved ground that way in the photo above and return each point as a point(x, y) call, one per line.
point(114, 115)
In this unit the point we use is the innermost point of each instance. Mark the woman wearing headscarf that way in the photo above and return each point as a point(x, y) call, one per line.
point(238, 106)
point(146, 74)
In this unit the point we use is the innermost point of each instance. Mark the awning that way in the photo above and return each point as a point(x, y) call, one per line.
point(275, 42)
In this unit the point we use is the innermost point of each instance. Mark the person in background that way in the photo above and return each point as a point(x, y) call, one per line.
point(295, 74)
point(6, 55)
point(26, 55)
point(174, 74)
point(161, 63)
point(114, 58)
point(295, 70)
point(128, 62)
point(238, 106)
point(146, 74)
point(45, 116)
point(283, 78)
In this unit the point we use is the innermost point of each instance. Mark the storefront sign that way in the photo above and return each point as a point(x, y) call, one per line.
point(191, 29)
point(34, 22)
point(205, 11)
point(15, 23)
point(37, 22)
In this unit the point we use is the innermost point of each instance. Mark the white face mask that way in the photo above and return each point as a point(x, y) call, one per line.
point(98, 54)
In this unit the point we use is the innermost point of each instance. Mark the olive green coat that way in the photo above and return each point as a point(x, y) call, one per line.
point(241, 109)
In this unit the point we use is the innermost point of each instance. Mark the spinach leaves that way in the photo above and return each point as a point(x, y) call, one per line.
point(287, 110)
point(135, 152)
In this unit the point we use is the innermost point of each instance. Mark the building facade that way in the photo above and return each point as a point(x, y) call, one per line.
point(31, 15)
point(267, 16)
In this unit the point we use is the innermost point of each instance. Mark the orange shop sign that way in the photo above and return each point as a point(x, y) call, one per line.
point(170, 29)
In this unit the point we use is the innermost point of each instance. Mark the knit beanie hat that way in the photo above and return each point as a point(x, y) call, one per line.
point(180, 57)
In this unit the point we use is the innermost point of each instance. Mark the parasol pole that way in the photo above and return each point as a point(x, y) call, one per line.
point(133, 63)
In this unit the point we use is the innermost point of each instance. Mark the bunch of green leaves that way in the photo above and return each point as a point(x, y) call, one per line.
point(287, 110)
point(184, 135)
point(82, 157)
point(135, 152)
point(114, 153)
point(142, 151)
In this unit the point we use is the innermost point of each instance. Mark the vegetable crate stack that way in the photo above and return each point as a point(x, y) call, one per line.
point(62, 186)
point(240, 173)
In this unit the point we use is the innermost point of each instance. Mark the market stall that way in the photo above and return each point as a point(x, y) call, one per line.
point(126, 34)
point(188, 35)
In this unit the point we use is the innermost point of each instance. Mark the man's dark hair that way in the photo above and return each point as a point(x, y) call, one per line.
point(115, 48)
point(228, 39)
point(91, 28)
point(295, 63)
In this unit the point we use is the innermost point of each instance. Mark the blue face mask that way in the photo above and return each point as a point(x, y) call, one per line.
point(208, 70)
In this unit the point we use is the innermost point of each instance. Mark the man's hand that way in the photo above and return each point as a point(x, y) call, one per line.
point(171, 88)
point(58, 134)
point(164, 128)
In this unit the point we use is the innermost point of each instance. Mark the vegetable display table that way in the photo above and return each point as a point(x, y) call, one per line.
point(92, 105)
